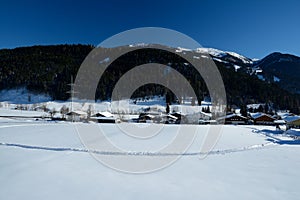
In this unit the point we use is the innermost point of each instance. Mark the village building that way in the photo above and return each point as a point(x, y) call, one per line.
point(233, 119)
point(262, 119)
point(292, 121)
point(148, 117)
point(76, 116)
point(103, 117)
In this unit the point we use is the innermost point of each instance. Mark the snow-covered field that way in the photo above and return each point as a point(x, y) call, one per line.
point(46, 160)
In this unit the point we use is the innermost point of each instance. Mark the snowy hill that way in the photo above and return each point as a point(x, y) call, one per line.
point(22, 96)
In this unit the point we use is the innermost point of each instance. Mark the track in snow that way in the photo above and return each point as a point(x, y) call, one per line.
point(132, 153)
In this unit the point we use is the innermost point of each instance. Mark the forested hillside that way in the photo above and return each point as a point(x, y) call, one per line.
point(48, 69)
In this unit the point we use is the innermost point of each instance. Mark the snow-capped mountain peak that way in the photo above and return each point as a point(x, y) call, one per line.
point(211, 51)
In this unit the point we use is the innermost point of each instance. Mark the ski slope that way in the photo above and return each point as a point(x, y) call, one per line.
point(46, 160)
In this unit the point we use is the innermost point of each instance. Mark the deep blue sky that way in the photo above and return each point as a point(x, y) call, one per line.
point(253, 28)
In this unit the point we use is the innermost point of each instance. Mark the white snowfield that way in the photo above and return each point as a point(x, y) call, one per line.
point(43, 160)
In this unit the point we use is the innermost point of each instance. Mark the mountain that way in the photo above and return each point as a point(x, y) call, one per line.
point(45, 69)
point(283, 69)
point(48, 69)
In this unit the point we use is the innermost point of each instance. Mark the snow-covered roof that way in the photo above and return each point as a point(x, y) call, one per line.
point(103, 118)
point(257, 115)
point(206, 114)
point(291, 118)
point(77, 112)
point(171, 116)
point(254, 106)
point(279, 121)
point(283, 114)
point(150, 116)
point(105, 114)
point(231, 115)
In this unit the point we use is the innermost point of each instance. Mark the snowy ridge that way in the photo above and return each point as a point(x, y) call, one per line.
point(211, 51)
point(217, 53)
point(243, 58)
point(138, 45)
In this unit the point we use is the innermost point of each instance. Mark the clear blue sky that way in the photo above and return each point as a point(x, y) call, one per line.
point(253, 28)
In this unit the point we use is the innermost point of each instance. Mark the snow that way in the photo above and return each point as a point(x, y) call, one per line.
point(78, 112)
point(276, 79)
point(255, 59)
point(211, 51)
point(293, 132)
point(22, 96)
point(243, 58)
point(291, 118)
point(48, 161)
point(256, 115)
point(261, 77)
point(106, 60)
point(254, 106)
point(283, 114)
point(219, 60)
point(139, 45)
point(21, 113)
point(203, 56)
point(106, 114)
point(236, 67)
point(181, 49)
point(280, 121)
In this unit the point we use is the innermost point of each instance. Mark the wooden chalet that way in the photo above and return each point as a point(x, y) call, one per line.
point(262, 119)
point(233, 119)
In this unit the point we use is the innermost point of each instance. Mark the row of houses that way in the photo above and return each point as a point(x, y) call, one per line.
point(193, 118)
point(262, 119)
point(100, 117)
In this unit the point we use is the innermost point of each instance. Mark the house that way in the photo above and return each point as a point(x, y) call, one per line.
point(76, 116)
point(103, 117)
point(284, 114)
point(198, 117)
point(147, 118)
point(262, 119)
point(103, 114)
point(292, 121)
point(233, 119)
point(181, 117)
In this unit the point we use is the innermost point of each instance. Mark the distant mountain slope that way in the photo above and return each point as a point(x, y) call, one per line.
point(48, 69)
point(283, 69)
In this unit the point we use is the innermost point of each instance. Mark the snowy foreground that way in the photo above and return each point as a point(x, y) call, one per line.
point(46, 160)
